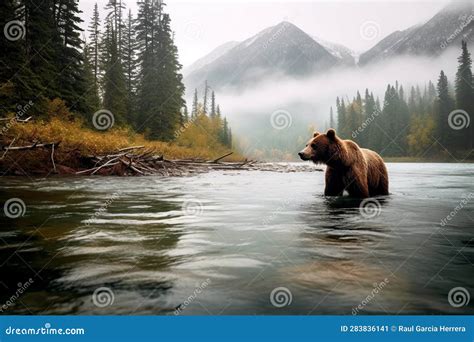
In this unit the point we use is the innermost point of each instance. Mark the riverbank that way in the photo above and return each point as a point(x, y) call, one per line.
point(68, 147)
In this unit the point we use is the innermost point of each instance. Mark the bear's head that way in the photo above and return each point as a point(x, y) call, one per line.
point(321, 148)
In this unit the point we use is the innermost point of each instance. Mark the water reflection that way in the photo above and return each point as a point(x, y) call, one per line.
point(252, 232)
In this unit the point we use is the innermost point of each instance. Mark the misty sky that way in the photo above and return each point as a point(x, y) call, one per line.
point(200, 26)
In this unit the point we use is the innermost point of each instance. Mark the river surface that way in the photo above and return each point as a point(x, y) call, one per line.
point(232, 242)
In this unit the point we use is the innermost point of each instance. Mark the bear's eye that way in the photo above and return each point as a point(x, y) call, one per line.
point(313, 146)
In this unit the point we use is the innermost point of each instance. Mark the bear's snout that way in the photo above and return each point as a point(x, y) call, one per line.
point(303, 156)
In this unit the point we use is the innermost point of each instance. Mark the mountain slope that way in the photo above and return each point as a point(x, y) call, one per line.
point(210, 57)
point(283, 49)
point(446, 28)
point(345, 55)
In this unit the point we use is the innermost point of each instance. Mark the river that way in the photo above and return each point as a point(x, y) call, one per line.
point(250, 242)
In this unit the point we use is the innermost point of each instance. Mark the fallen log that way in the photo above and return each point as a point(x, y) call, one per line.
point(222, 157)
point(29, 147)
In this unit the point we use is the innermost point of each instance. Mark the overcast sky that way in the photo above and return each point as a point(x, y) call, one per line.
point(202, 25)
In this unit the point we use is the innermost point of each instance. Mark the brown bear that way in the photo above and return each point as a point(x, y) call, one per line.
point(359, 171)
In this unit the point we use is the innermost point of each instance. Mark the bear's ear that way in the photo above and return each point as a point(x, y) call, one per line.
point(315, 134)
point(331, 134)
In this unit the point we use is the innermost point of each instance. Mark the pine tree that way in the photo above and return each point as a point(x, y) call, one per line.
point(91, 95)
point(332, 123)
point(206, 98)
point(194, 110)
point(341, 117)
point(444, 106)
point(465, 94)
point(113, 83)
point(213, 105)
point(130, 68)
point(94, 36)
point(225, 133)
point(114, 17)
point(71, 83)
point(11, 59)
point(185, 115)
point(160, 99)
point(42, 47)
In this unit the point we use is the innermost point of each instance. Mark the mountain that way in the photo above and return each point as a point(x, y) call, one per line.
point(447, 28)
point(210, 57)
point(283, 49)
point(345, 55)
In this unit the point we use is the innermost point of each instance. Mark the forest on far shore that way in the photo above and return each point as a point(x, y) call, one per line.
point(422, 124)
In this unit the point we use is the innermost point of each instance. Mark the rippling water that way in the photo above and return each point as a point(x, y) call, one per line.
point(222, 242)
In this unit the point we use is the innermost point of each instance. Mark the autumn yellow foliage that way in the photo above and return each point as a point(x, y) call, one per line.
point(196, 139)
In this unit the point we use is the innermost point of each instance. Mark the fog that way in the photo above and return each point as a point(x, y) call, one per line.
point(305, 102)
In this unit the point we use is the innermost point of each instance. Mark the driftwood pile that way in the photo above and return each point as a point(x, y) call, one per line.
point(138, 161)
point(133, 161)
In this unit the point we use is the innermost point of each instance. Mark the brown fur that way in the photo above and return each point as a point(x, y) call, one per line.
point(359, 171)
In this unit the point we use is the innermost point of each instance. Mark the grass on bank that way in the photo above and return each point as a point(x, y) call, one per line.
point(78, 140)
